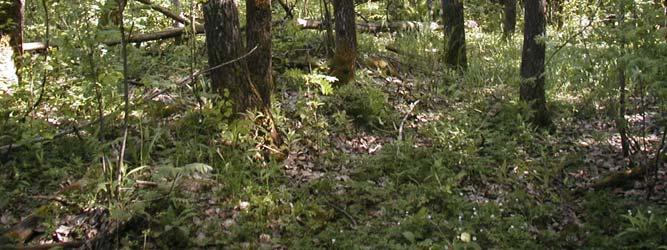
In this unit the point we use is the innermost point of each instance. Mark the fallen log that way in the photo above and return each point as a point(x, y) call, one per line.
point(618, 179)
point(38, 47)
point(376, 27)
point(164, 34)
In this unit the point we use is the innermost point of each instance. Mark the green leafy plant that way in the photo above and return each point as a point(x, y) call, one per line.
point(643, 230)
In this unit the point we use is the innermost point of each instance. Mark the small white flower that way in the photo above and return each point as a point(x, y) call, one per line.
point(474, 238)
point(649, 211)
point(465, 237)
point(333, 241)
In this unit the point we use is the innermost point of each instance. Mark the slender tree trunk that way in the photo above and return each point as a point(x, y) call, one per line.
point(621, 123)
point(532, 61)
point(178, 10)
point(455, 36)
point(509, 18)
point(259, 34)
point(11, 39)
point(286, 7)
point(554, 15)
point(224, 44)
point(429, 6)
point(176, 24)
point(328, 36)
point(343, 65)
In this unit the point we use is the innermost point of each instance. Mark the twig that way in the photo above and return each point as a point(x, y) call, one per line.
point(59, 199)
point(126, 95)
point(658, 162)
point(166, 12)
point(46, 61)
point(341, 210)
point(400, 128)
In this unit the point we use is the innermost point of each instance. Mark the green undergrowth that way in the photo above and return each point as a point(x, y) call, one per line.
point(466, 170)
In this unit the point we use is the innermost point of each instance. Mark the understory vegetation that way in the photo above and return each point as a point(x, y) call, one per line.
point(408, 155)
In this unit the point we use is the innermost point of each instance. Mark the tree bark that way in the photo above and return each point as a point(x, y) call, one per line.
point(455, 36)
point(509, 18)
point(258, 15)
point(343, 65)
point(329, 42)
point(532, 61)
point(621, 122)
point(223, 41)
point(11, 39)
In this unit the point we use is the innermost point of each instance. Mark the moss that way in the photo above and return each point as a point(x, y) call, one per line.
point(364, 103)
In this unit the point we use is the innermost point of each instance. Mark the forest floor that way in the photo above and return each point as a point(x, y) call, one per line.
point(404, 158)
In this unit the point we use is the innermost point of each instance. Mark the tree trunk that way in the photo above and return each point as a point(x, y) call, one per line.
point(108, 15)
point(429, 7)
point(532, 61)
point(509, 18)
point(621, 122)
point(11, 40)
point(286, 7)
point(328, 26)
point(259, 34)
point(179, 11)
point(554, 15)
point(343, 65)
point(223, 41)
point(455, 36)
point(176, 5)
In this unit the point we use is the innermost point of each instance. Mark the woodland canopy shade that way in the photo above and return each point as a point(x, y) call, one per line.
point(220, 124)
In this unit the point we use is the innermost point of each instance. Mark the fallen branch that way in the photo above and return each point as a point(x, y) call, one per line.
point(59, 245)
point(376, 27)
point(164, 34)
point(38, 47)
point(165, 11)
point(615, 179)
